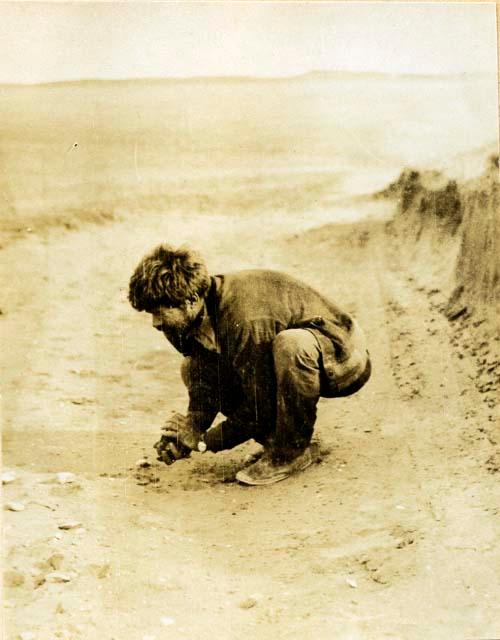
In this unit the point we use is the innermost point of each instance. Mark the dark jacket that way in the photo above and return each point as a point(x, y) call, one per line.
point(247, 310)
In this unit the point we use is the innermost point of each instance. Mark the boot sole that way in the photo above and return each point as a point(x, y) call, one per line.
point(243, 478)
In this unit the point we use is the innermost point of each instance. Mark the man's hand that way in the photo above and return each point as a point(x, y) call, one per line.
point(177, 441)
point(169, 449)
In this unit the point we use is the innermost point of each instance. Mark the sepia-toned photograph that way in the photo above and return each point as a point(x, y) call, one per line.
point(249, 320)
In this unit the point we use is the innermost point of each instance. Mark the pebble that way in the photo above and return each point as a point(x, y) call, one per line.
point(8, 477)
point(15, 506)
point(167, 621)
point(249, 603)
point(352, 583)
point(142, 463)
point(65, 477)
point(101, 571)
point(58, 576)
point(13, 578)
point(70, 524)
point(38, 580)
point(56, 560)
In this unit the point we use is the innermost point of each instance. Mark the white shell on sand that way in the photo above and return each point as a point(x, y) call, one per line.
point(8, 477)
point(69, 524)
point(58, 576)
point(15, 506)
point(65, 477)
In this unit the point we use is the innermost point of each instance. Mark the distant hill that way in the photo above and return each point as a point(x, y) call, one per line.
point(316, 75)
point(226, 144)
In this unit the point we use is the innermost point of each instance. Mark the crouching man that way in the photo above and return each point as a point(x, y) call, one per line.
point(260, 347)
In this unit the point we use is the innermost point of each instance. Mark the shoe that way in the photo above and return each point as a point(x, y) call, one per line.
point(264, 471)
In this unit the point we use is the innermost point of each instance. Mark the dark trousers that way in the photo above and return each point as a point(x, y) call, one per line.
point(299, 382)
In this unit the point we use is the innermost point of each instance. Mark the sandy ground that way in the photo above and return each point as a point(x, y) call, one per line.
point(392, 534)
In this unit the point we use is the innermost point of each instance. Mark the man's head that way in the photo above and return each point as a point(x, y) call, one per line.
point(171, 284)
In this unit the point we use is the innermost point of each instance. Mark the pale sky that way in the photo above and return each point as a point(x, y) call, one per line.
point(41, 42)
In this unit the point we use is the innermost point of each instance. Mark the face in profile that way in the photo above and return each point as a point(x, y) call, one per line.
point(176, 321)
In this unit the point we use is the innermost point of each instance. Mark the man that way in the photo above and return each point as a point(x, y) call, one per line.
point(260, 347)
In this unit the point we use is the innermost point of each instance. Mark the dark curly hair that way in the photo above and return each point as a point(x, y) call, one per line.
point(167, 276)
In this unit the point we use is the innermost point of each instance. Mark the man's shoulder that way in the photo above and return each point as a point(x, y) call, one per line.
point(262, 294)
point(251, 277)
point(252, 305)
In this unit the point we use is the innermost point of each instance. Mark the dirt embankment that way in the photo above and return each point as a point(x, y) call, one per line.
point(464, 220)
point(445, 234)
point(478, 263)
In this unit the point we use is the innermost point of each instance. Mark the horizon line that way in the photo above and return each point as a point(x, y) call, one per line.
point(254, 78)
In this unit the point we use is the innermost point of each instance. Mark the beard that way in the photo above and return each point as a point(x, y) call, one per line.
point(178, 331)
point(178, 338)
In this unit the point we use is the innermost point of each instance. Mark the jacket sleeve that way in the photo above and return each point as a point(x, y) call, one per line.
point(251, 354)
point(201, 379)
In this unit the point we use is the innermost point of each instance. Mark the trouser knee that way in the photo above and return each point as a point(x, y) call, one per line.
point(297, 358)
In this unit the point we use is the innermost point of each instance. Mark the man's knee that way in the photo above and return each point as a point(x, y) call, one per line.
point(294, 348)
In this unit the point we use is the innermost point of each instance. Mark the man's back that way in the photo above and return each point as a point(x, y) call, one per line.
point(264, 298)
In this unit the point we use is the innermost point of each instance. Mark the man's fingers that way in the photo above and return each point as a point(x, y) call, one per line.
point(170, 433)
point(165, 440)
point(169, 452)
point(159, 445)
point(167, 457)
point(174, 451)
point(175, 422)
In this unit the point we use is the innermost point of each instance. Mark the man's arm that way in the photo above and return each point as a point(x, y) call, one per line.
point(252, 360)
point(182, 434)
point(200, 374)
point(249, 350)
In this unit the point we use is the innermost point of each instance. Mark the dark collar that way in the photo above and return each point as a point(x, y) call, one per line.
point(212, 299)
